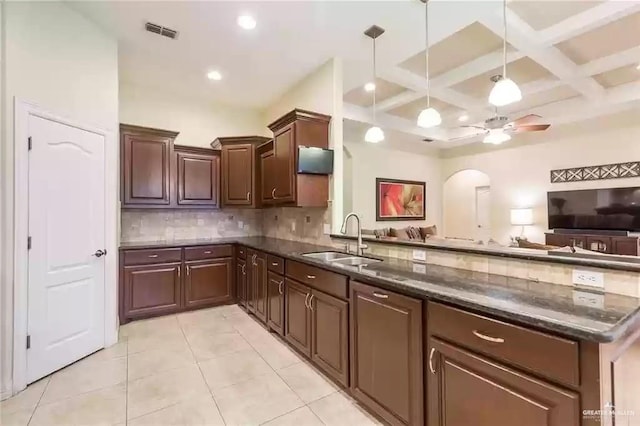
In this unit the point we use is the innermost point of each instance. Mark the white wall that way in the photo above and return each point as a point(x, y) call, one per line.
point(65, 64)
point(459, 203)
point(371, 161)
point(520, 176)
point(198, 121)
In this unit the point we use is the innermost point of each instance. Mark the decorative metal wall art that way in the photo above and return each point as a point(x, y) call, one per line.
point(607, 171)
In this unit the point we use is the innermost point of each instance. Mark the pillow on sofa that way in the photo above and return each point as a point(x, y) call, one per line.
point(427, 231)
point(380, 233)
point(400, 234)
point(414, 233)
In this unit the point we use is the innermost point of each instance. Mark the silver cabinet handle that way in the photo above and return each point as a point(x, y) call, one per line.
point(179, 267)
point(248, 196)
point(305, 301)
point(188, 270)
point(273, 194)
point(431, 353)
point(153, 256)
point(280, 287)
point(380, 295)
point(207, 252)
point(311, 302)
point(488, 338)
point(311, 277)
point(274, 263)
point(244, 272)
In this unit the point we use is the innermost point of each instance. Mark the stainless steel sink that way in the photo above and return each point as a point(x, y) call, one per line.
point(356, 261)
point(328, 256)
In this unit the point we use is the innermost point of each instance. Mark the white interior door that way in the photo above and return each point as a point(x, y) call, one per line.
point(66, 225)
point(483, 213)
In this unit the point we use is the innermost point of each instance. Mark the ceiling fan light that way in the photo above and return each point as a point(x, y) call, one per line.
point(374, 135)
point(505, 92)
point(496, 137)
point(429, 117)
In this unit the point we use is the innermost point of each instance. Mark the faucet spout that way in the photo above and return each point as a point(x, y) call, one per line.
point(360, 247)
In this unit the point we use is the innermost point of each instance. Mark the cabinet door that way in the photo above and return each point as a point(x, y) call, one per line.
point(297, 316)
point(152, 289)
point(386, 353)
point(285, 162)
point(329, 335)
point(145, 169)
point(624, 245)
point(275, 298)
point(241, 282)
point(198, 179)
point(237, 175)
point(251, 280)
point(260, 286)
point(267, 177)
point(467, 389)
point(558, 240)
point(599, 243)
point(208, 282)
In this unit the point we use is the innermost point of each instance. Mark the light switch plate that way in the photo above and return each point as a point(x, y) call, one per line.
point(419, 268)
point(587, 298)
point(420, 255)
point(588, 278)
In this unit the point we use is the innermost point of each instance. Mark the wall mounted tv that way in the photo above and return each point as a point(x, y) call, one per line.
point(615, 209)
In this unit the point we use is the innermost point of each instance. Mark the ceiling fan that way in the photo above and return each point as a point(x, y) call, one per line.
point(498, 129)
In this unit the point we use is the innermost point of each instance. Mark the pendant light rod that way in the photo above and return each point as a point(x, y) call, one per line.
point(504, 39)
point(426, 50)
point(374, 32)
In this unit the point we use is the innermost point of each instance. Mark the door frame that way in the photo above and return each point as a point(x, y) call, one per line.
point(23, 110)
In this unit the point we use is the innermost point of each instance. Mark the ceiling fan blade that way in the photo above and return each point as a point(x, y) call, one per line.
point(475, 127)
point(469, 136)
point(525, 119)
point(531, 128)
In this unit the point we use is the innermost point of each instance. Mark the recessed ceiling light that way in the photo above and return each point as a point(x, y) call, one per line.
point(246, 22)
point(463, 118)
point(370, 87)
point(214, 75)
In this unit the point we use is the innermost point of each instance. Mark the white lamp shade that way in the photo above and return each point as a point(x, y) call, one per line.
point(496, 137)
point(505, 92)
point(429, 117)
point(374, 135)
point(522, 217)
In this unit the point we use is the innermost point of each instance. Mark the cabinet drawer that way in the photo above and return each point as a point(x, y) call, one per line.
point(540, 353)
point(207, 252)
point(142, 257)
point(241, 252)
point(329, 282)
point(275, 264)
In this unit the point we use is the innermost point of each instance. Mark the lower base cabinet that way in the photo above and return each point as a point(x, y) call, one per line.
point(298, 316)
point(151, 290)
point(468, 389)
point(275, 302)
point(386, 354)
point(208, 282)
point(241, 282)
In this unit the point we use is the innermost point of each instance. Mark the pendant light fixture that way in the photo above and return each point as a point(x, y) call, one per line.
point(428, 117)
point(505, 91)
point(375, 133)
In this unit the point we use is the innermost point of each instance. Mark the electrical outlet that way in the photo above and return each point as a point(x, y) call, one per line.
point(586, 298)
point(240, 224)
point(419, 268)
point(293, 226)
point(588, 278)
point(420, 255)
point(327, 229)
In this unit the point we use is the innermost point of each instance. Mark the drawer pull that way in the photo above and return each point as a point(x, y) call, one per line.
point(431, 353)
point(153, 256)
point(380, 295)
point(488, 338)
point(311, 277)
point(207, 252)
point(274, 263)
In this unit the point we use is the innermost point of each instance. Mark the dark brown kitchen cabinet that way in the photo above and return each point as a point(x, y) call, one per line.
point(297, 316)
point(386, 354)
point(279, 159)
point(146, 166)
point(151, 290)
point(198, 177)
point(275, 300)
point(257, 284)
point(208, 282)
point(330, 335)
point(468, 389)
point(239, 176)
point(241, 282)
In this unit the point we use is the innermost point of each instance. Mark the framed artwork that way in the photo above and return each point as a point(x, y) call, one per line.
point(400, 199)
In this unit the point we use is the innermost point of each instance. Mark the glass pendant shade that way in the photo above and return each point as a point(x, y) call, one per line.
point(374, 135)
point(429, 117)
point(505, 92)
point(496, 137)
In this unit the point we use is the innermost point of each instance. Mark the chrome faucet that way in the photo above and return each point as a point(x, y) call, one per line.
point(360, 247)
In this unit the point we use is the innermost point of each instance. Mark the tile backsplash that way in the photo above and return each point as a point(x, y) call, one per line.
point(300, 224)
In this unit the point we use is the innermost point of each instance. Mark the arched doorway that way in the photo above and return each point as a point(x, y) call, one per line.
point(467, 205)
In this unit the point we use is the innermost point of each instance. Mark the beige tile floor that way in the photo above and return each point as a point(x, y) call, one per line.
point(208, 367)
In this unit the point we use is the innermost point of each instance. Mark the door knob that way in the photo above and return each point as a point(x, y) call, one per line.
point(100, 253)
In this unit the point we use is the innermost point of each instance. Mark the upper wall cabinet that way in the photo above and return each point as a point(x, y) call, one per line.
point(287, 187)
point(157, 174)
point(146, 158)
point(240, 180)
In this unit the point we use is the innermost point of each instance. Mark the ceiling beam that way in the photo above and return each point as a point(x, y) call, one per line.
point(617, 60)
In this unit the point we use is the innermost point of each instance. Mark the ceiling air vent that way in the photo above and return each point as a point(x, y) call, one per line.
point(163, 31)
point(427, 140)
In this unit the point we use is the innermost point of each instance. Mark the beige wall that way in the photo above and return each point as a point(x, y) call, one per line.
point(60, 61)
point(459, 203)
point(369, 162)
point(198, 121)
point(520, 176)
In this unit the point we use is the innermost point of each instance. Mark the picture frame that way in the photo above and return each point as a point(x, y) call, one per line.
point(400, 199)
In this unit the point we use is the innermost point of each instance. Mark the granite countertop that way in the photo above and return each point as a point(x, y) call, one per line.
point(552, 307)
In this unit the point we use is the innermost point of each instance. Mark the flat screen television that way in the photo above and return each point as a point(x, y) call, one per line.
point(615, 209)
point(315, 161)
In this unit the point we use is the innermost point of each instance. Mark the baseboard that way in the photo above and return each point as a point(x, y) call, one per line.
point(6, 393)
